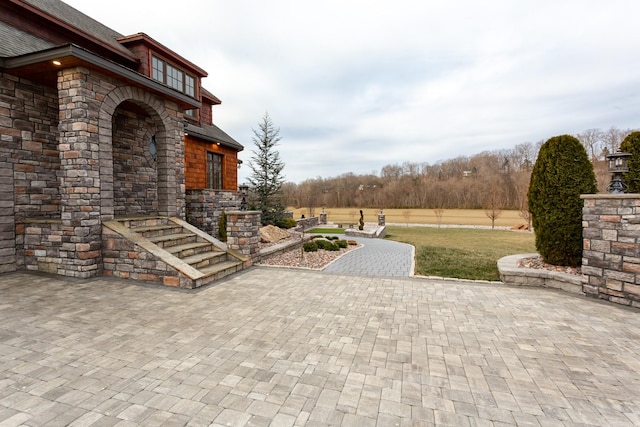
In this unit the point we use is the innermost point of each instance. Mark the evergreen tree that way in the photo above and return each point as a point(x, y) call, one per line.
point(631, 144)
point(560, 175)
point(266, 178)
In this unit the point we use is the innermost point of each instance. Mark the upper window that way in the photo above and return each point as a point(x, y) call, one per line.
point(172, 76)
point(214, 171)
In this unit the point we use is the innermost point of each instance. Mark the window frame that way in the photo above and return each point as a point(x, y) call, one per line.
point(211, 175)
point(173, 76)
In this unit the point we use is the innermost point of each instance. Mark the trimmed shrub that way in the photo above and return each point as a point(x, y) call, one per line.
point(310, 246)
point(326, 245)
point(341, 243)
point(286, 223)
point(331, 237)
point(222, 227)
point(560, 175)
point(631, 144)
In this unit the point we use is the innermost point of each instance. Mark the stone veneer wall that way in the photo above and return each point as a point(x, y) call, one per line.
point(135, 174)
point(121, 259)
point(611, 250)
point(204, 208)
point(29, 162)
point(243, 232)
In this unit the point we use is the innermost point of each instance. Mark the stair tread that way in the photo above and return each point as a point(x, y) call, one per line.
point(144, 228)
point(186, 246)
point(168, 237)
point(192, 259)
point(215, 268)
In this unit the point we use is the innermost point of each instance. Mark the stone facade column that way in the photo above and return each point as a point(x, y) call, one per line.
point(323, 217)
point(80, 175)
point(7, 213)
point(611, 247)
point(243, 232)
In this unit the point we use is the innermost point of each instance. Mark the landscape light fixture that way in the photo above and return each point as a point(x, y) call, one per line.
point(618, 165)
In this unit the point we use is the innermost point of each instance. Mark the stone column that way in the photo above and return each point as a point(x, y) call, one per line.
point(381, 219)
point(80, 175)
point(611, 247)
point(243, 232)
point(323, 217)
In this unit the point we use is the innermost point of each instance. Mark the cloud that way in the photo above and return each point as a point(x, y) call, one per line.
point(356, 85)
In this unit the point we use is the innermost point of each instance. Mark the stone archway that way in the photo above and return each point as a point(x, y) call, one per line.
point(167, 134)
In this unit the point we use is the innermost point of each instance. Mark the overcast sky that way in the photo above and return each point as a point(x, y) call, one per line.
point(356, 85)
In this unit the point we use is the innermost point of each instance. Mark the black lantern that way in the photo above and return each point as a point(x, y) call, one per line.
point(618, 164)
point(244, 190)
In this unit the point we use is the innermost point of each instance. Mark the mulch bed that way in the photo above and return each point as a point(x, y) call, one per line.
point(537, 262)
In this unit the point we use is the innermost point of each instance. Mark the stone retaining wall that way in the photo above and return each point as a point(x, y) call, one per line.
point(511, 274)
point(307, 223)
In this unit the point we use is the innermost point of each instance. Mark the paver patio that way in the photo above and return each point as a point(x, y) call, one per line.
point(287, 347)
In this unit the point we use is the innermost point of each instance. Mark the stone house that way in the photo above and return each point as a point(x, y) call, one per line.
point(107, 147)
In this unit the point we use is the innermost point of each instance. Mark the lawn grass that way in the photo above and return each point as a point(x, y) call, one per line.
point(332, 230)
point(464, 253)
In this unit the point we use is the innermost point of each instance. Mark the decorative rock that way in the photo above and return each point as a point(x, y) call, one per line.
point(272, 234)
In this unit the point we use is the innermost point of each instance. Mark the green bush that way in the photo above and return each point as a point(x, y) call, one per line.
point(222, 227)
point(317, 236)
point(560, 175)
point(342, 243)
point(310, 246)
point(631, 144)
point(326, 245)
point(331, 237)
point(286, 223)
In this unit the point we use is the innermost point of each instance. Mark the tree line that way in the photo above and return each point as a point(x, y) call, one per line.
point(497, 179)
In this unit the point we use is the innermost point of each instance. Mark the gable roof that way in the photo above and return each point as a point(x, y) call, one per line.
point(16, 42)
point(76, 20)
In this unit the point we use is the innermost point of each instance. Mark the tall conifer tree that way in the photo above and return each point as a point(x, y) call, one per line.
point(266, 179)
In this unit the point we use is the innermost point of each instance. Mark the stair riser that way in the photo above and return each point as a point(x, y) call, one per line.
point(164, 232)
point(211, 261)
point(145, 222)
point(193, 251)
point(219, 275)
point(176, 242)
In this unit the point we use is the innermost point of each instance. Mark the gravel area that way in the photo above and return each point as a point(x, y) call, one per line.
point(537, 262)
point(298, 258)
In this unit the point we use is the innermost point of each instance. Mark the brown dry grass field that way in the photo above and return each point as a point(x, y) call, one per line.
point(508, 218)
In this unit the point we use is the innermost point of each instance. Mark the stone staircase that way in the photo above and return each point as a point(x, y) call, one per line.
point(198, 258)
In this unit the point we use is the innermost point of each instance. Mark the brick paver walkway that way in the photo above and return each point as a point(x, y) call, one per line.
point(377, 257)
point(286, 347)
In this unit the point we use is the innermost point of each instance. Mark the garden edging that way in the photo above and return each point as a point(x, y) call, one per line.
point(511, 274)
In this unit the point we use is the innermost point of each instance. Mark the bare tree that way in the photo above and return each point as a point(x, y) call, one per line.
point(439, 212)
point(612, 138)
point(493, 204)
point(592, 140)
point(407, 215)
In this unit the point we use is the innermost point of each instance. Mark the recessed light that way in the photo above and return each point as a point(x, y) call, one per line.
point(56, 62)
